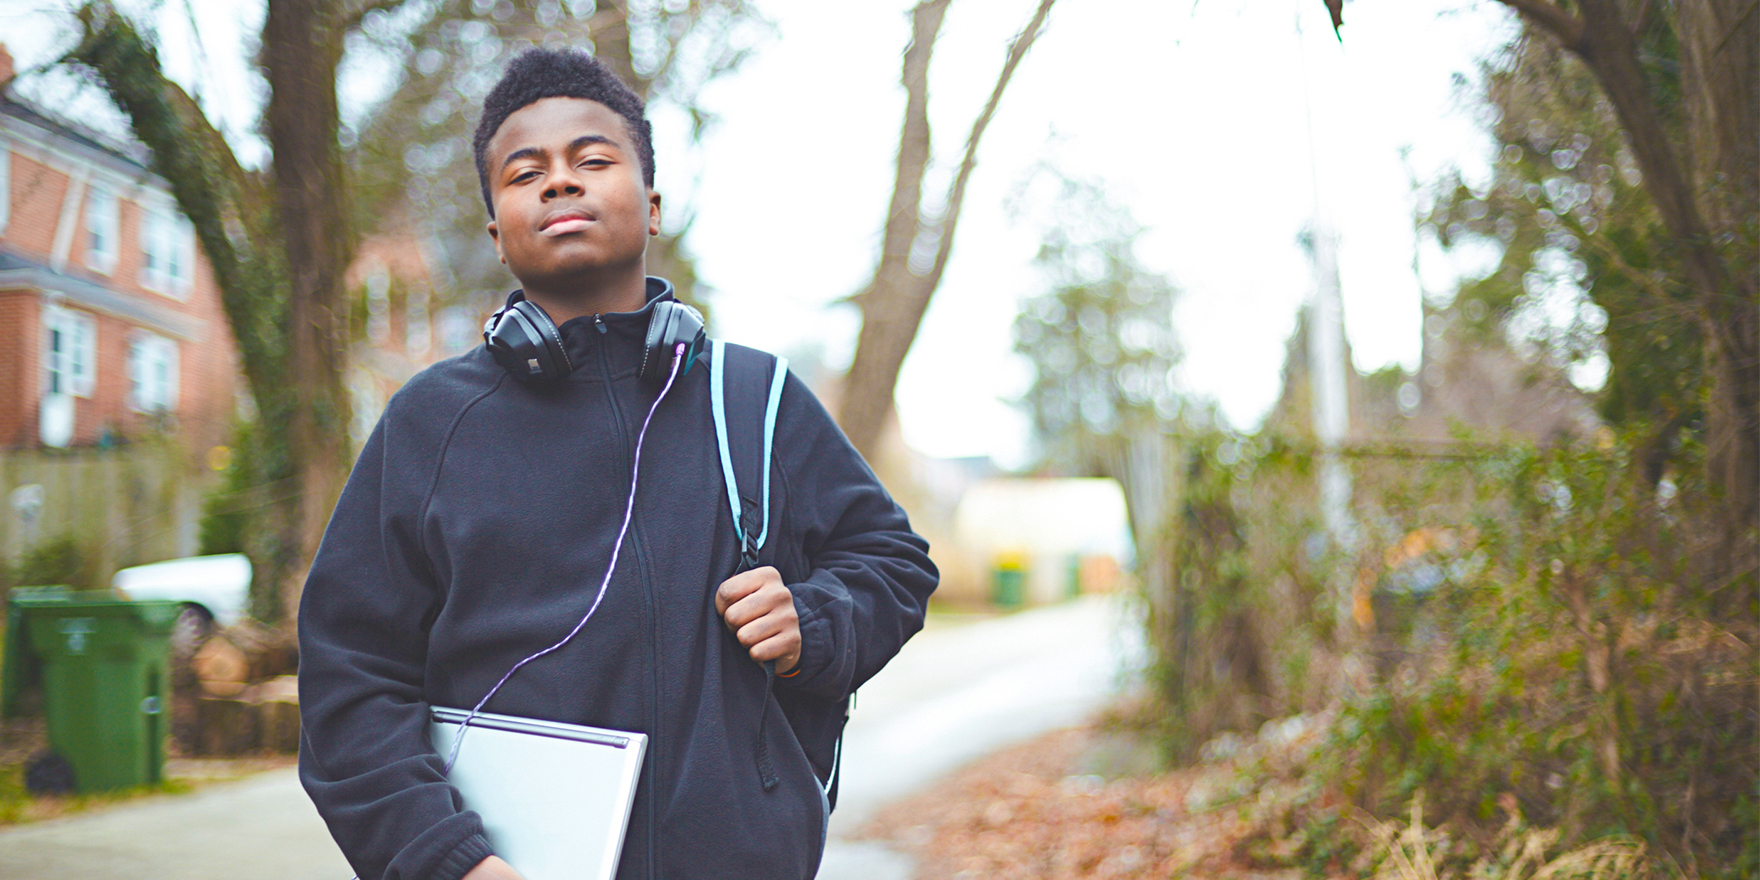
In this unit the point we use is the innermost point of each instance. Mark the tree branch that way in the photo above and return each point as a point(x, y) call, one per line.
point(1562, 25)
point(893, 304)
point(1664, 301)
point(904, 214)
point(1641, 20)
point(209, 186)
point(1735, 28)
point(957, 194)
point(353, 12)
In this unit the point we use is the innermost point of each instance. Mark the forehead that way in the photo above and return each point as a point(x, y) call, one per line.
point(553, 123)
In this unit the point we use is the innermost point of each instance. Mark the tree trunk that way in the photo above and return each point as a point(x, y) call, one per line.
point(887, 328)
point(302, 48)
point(894, 302)
point(278, 252)
point(1707, 200)
point(1720, 54)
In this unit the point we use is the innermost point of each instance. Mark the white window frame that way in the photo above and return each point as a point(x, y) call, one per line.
point(70, 352)
point(5, 184)
point(154, 365)
point(104, 223)
point(183, 250)
point(167, 252)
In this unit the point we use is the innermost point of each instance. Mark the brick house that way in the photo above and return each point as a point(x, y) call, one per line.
point(414, 314)
point(111, 323)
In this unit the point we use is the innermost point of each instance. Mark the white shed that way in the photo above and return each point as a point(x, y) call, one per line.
point(1048, 527)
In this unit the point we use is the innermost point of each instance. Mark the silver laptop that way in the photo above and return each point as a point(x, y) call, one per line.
point(555, 798)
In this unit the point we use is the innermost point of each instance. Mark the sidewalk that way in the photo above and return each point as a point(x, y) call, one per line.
point(956, 693)
point(263, 828)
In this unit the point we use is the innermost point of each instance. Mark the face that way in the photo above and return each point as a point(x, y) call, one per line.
point(571, 210)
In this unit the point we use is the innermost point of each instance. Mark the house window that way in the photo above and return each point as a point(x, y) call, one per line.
point(5, 184)
point(152, 373)
point(101, 229)
point(168, 248)
point(70, 352)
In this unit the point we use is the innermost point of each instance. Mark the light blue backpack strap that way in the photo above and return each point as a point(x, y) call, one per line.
point(776, 381)
point(718, 409)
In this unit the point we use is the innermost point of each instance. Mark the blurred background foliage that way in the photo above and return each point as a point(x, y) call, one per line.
point(1586, 272)
point(412, 162)
point(1533, 628)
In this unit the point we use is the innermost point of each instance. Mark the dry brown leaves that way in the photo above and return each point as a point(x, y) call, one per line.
point(1030, 812)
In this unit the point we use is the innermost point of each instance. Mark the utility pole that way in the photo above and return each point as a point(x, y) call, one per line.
point(1329, 397)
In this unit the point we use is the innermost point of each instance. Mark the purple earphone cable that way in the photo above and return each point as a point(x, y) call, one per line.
point(617, 547)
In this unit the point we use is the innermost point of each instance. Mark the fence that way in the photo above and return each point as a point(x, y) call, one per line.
point(121, 506)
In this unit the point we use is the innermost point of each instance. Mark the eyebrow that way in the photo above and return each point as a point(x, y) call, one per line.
point(577, 143)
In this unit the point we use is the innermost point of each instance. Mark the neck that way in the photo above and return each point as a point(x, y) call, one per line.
point(564, 303)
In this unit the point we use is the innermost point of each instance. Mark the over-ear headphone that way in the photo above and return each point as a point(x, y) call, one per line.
point(526, 343)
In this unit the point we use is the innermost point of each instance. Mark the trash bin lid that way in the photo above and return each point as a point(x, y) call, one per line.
point(41, 618)
point(154, 614)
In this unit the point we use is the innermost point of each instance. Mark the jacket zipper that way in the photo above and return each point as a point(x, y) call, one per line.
point(654, 744)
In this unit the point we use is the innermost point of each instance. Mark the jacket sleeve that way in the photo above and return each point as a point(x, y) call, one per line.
point(869, 575)
point(365, 758)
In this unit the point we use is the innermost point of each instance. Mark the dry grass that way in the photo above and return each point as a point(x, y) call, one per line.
point(1404, 850)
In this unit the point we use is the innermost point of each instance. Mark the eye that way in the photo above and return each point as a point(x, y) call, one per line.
point(596, 161)
point(524, 176)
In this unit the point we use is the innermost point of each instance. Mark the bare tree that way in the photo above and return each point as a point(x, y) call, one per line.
point(278, 242)
point(893, 303)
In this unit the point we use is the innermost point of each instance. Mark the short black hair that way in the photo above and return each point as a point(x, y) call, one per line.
point(538, 73)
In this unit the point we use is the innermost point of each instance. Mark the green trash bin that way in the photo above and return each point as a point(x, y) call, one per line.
point(1008, 581)
point(106, 683)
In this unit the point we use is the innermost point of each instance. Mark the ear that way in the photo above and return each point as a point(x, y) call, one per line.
point(495, 236)
point(653, 213)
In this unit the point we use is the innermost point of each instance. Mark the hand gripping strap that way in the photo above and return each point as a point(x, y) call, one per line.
point(750, 544)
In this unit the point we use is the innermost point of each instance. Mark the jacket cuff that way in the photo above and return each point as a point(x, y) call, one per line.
point(818, 650)
point(469, 853)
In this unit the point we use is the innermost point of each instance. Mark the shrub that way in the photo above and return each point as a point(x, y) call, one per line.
point(1519, 631)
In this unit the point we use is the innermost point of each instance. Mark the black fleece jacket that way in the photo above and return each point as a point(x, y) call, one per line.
point(475, 530)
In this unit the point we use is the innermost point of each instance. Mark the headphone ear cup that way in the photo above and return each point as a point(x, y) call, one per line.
point(525, 342)
point(690, 332)
point(654, 340)
point(672, 324)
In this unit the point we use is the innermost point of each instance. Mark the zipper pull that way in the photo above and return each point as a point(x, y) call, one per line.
point(599, 323)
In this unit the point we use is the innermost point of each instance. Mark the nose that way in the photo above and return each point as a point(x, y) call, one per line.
point(563, 180)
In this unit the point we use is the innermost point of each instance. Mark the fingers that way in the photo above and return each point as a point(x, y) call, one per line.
point(742, 585)
point(785, 649)
point(780, 624)
point(765, 613)
point(749, 595)
point(775, 635)
point(759, 609)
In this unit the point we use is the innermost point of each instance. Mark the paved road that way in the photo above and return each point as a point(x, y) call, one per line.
point(956, 693)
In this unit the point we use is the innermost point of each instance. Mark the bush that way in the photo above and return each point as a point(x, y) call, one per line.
point(59, 560)
point(1528, 632)
point(226, 511)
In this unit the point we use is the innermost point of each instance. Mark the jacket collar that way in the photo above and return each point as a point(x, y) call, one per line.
point(619, 334)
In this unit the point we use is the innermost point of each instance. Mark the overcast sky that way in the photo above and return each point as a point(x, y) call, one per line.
point(1196, 116)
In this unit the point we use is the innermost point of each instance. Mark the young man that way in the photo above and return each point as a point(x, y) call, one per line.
point(484, 513)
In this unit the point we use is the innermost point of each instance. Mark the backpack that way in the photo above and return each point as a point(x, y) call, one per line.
point(745, 390)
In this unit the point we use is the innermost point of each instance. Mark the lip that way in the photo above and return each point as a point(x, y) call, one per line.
point(564, 222)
